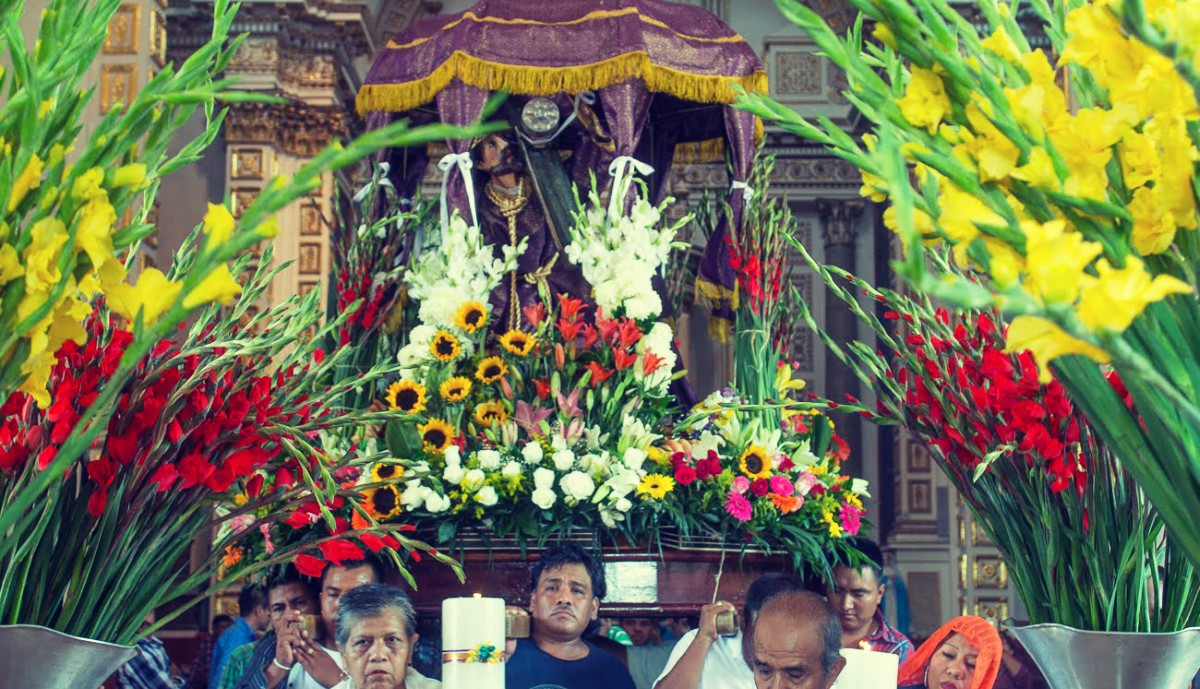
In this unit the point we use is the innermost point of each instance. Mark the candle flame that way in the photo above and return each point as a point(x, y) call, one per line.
point(479, 595)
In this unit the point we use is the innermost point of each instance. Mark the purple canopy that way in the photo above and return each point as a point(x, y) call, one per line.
point(644, 59)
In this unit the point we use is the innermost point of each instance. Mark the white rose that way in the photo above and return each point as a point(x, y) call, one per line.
point(511, 470)
point(473, 479)
point(543, 478)
point(420, 468)
point(564, 460)
point(453, 456)
point(453, 474)
point(577, 486)
point(486, 496)
point(543, 498)
point(414, 496)
point(532, 452)
point(436, 503)
point(489, 460)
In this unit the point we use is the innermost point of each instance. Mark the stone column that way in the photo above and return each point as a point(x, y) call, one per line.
point(839, 219)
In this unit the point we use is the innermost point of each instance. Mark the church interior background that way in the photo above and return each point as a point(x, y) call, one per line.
point(315, 54)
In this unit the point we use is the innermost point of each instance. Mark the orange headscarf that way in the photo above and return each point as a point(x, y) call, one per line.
point(979, 633)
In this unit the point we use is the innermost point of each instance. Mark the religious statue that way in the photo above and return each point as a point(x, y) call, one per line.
point(509, 209)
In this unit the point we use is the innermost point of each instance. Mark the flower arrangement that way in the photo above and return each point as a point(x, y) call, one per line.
point(149, 442)
point(1068, 181)
point(1031, 467)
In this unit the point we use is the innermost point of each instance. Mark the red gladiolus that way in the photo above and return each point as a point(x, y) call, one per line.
point(375, 543)
point(309, 566)
point(97, 502)
point(339, 551)
point(103, 471)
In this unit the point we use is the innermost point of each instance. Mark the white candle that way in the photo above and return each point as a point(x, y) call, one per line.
point(868, 669)
point(473, 643)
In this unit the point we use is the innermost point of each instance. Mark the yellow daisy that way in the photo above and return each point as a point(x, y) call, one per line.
point(517, 342)
point(382, 502)
point(444, 346)
point(436, 435)
point(407, 396)
point(471, 316)
point(491, 370)
point(456, 389)
point(383, 471)
point(754, 462)
point(656, 486)
point(490, 413)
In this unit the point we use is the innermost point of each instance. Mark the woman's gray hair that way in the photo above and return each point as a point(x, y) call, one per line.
point(373, 600)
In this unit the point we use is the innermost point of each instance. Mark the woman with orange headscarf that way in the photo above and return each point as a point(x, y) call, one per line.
point(964, 653)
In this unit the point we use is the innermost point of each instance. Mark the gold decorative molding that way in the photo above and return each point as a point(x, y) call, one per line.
point(294, 128)
point(256, 54)
point(310, 258)
point(242, 198)
point(989, 573)
point(118, 85)
point(306, 286)
point(122, 36)
point(311, 221)
point(248, 163)
point(994, 610)
point(308, 71)
point(158, 38)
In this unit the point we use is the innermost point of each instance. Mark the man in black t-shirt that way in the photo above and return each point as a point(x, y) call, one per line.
point(568, 584)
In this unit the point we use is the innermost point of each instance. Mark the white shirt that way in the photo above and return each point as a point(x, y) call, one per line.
point(724, 667)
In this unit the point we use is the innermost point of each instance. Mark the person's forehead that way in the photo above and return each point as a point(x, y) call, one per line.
point(959, 643)
point(346, 578)
point(570, 573)
point(785, 640)
point(848, 577)
point(390, 621)
point(287, 593)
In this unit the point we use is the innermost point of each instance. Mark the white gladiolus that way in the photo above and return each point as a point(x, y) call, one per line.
point(487, 496)
point(634, 457)
point(489, 460)
point(858, 486)
point(543, 478)
point(577, 486)
point(543, 498)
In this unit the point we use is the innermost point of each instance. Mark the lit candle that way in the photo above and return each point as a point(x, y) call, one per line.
point(473, 643)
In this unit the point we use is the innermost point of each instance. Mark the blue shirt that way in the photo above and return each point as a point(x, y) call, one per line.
point(239, 633)
point(532, 668)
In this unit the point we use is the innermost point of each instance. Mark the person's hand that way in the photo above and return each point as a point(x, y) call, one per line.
point(510, 644)
point(708, 619)
point(287, 637)
point(1009, 659)
point(317, 663)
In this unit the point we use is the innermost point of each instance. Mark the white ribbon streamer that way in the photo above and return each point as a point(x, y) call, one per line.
point(382, 180)
point(446, 164)
point(747, 190)
point(644, 169)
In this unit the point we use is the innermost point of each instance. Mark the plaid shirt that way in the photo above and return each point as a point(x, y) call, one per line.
point(886, 639)
point(149, 669)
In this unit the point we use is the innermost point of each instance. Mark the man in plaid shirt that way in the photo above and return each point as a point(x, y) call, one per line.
point(149, 669)
point(855, 597)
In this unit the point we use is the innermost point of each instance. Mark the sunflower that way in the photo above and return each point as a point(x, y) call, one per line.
point(383, 471)
point(517, 342)
point(490, 413)
point(382, 502)
point(471, 316)
point(456, 389)
point(436, 435)
point(491, 369)
point(407, 396)
point(656, 486)
point(754, 462)
point(444, 346)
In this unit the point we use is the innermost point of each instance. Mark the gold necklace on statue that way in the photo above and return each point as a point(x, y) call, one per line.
point(510, 206)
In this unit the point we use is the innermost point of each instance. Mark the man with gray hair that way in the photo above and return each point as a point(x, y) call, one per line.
point(377, 632)
point(795, 643)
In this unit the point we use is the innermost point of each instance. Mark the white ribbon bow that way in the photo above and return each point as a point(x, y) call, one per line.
point(747, 190)
point(621, 162)
point(382, 180)
point(463, 162)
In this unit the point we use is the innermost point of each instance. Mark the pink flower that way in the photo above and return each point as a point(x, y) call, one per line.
point(805, 483)
point(741, 484)
point(241, 522)
point(265, 529)
point(781, 485)
point(738, 507)
point(851, 517)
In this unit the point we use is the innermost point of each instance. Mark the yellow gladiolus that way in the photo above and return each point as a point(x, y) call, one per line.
point(925, 102)
point(1055, 259)
point(87, 186)
point(1153, 224)
point(29, 179)
point(1039, 172)
point(1046, 341)
point(132, 175)
point(1118, 295)
point(219, 286)
point(94, 232)
point(153, 295)
point(10, 264)
point(1006, 264)
point(1002, 45)
point(41, 256)
point(218, 224)
point(270, 228)
point(1140, 163)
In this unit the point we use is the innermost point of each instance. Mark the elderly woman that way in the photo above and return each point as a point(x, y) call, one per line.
point(964, 653)
point(376, 630)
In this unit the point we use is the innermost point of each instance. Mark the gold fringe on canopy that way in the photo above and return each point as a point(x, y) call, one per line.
point(697, 152)
point(711, 293)
point(543, 81)
point(719, 329)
